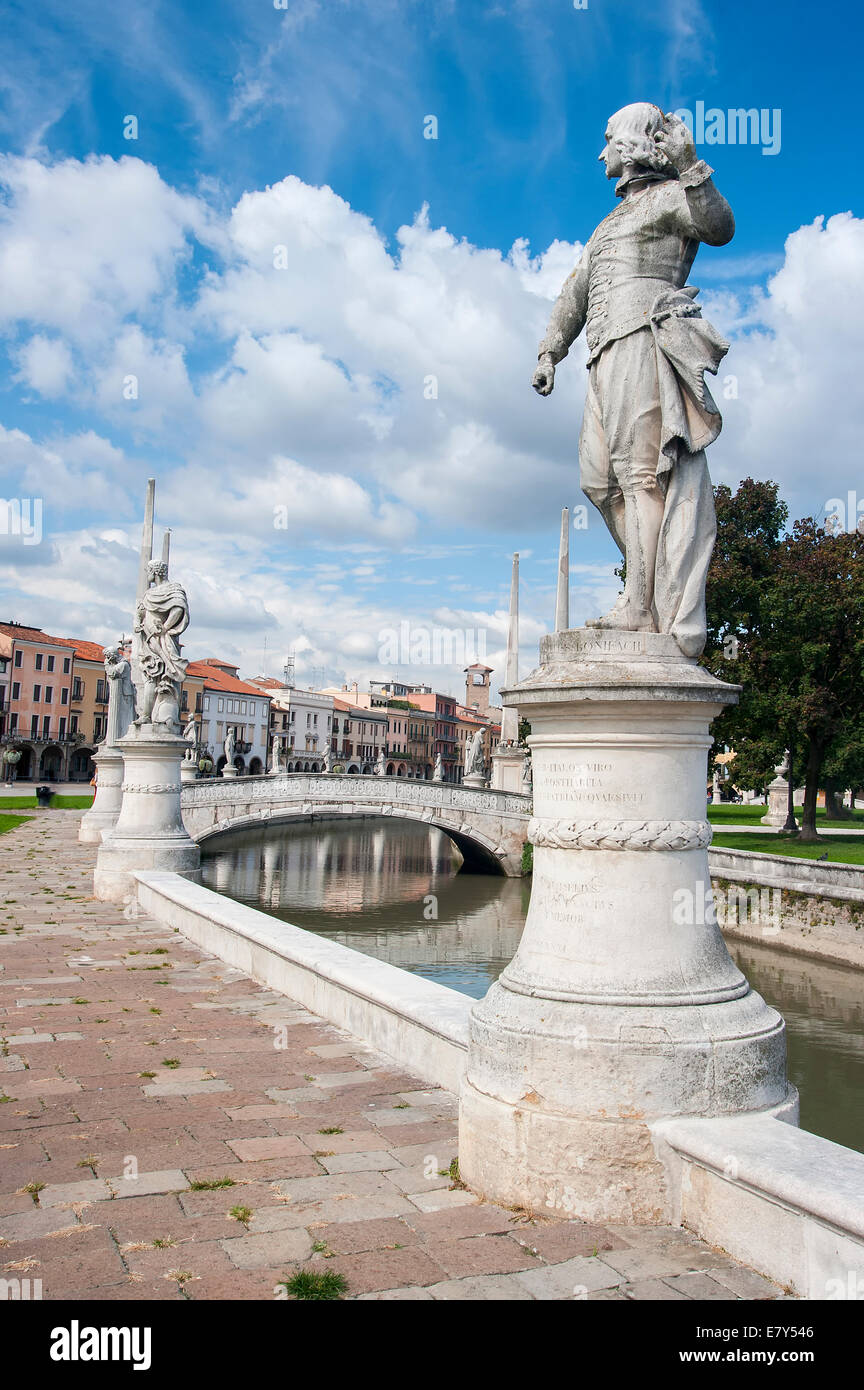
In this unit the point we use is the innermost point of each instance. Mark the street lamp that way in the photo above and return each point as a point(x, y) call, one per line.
point(791, 822)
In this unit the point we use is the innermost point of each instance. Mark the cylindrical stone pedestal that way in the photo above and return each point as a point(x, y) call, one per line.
point(149, 833)
point(475, 780)
point(622, 1005)
point(229, 770)
point(103, 814)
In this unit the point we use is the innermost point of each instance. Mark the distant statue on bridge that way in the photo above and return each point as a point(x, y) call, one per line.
point(381, 765)
point(328, 758)
point(438, 772)
point(230, 746)
point(190, 733)
point(475, 762)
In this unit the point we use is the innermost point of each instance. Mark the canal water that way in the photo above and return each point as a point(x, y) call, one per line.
point(392, 890)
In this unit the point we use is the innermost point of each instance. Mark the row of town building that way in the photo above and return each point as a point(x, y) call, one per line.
point(54, 708)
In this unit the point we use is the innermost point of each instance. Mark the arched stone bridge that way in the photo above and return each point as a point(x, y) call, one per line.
point(488, 827)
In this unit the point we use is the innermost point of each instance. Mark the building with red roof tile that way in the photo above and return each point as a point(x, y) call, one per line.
point(229, 702)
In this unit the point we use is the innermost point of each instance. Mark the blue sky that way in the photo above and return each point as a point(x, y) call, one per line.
point(153, 257)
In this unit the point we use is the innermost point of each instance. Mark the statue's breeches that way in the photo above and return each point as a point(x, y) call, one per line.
point(631, 414)
point(619, 449)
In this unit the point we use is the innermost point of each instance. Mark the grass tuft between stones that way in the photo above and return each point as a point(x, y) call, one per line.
point(307, 1285)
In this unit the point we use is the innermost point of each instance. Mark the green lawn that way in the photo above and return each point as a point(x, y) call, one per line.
point(11, 822)
point(729, 814)
point(842, 849)
point(67, 803)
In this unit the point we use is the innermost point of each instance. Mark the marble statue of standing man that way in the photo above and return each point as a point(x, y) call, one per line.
point(230, 745)
point(190, 733)
point(475, 762)
point(121, 695)
point(648, 413)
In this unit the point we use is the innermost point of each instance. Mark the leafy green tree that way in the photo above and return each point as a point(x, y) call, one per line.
point(813, 644)
point(844, 767)
point(786, 621)
point(750, 526)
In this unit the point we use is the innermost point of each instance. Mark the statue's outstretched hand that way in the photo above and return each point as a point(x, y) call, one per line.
point(676, 142)
point(544, 378)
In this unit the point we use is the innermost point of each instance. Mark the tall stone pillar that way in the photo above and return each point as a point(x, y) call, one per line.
point(509, 758)
point(622, 1004)
point(149, 833)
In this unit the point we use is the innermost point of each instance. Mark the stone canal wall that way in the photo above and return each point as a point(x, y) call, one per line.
point(814, 910)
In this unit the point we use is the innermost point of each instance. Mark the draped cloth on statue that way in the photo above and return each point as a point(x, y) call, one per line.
point(164, 615)
point(686, 347)
point(648, 418)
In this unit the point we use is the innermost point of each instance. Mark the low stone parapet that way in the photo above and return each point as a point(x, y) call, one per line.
point(787, 871)
point(776, 1197)
point(814, 910)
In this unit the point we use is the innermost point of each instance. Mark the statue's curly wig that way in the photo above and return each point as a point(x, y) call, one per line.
point(638, 124)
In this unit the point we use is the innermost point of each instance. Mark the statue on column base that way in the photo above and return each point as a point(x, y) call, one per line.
point(102, 815)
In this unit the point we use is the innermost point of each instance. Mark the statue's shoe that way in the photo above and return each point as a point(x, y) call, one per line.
point(626, 619)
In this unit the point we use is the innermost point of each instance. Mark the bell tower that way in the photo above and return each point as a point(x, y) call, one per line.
point(477, 687)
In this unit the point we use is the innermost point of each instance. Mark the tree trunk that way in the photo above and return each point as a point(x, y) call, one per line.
point(834, 809)
point(815, 757)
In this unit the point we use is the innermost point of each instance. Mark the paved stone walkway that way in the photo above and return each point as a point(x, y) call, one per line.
point(169, 1130)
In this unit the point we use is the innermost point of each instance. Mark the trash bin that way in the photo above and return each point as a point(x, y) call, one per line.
point(44, 795)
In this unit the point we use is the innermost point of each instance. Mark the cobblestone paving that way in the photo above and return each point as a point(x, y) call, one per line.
point(170, 1130)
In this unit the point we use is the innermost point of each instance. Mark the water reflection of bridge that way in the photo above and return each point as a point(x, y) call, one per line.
point(488, 827)
point(393, 896)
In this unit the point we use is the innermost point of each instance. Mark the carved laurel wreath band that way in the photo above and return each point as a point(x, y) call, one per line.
point(620, 834)
point(150, 787)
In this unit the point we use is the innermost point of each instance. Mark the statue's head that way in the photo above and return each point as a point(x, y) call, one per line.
point(630, 142)
point(157, 572)
point(112, 654)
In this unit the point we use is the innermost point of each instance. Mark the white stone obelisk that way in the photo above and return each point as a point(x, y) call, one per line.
point(562, 597)
point(103, 814)
point(509, 758)
point(144, 560)
point(622, 1005)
